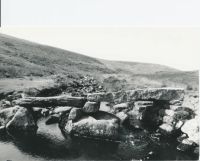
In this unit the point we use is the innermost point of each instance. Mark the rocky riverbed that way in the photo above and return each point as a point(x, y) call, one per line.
point(137, 124)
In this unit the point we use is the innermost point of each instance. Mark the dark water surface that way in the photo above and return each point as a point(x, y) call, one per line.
point(50, 145)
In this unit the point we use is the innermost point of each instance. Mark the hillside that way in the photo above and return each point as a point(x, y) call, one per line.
point(20, 58)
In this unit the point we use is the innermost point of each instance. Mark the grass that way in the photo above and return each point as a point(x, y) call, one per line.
point(26, 60)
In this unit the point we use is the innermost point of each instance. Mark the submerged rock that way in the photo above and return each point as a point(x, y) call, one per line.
point(100, 125)
point(22, 122)
point(90, 127)
point(7, 114)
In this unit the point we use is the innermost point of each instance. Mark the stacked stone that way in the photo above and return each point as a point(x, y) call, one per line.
point(189, 141)
point(139, 113)
point(143, 105)
point(88, 122)
point(173, 118)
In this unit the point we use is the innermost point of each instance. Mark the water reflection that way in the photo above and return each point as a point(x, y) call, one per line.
point(49, 145)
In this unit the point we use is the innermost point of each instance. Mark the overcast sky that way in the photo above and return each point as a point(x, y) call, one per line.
point(165, 32)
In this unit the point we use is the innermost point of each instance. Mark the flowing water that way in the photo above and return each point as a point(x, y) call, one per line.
point(50, 145)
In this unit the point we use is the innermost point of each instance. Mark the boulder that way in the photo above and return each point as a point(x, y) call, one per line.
point(75, 114)
point(22, 122)
point(191, 128)
point(92, 128)
point(7, 114)
point(91, 107)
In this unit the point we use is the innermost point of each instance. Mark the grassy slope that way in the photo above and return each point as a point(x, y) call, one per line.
point(19, 58)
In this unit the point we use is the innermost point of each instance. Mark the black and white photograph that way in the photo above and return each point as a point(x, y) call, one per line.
point(99, 85)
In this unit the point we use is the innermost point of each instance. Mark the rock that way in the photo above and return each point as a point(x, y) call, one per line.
point(122, 116)
point(175, 107)
point(120, 97)
point(182, 137)
point(7, 114)
point(62, 109)
point(45, 112)
point(75, 114)
point(68, 127)
point(6, 104)
point(168, 120)
point(176, 102)
point(185, 145)
point(62, 100)
point(169, 113)
point(166, 129)
point(105, 106)
point(182, 115)
point(166, 112)
point(135, 119)
point(53, 119)
point(22, 123)
point(121, 106)
point(191, 128)
point(179, 124)
point(102, 129)
point(100, 97)
point(165, 94)
point(91, 107)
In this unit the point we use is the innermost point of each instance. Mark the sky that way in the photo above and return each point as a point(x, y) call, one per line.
point(175, 47)
point(164, 32)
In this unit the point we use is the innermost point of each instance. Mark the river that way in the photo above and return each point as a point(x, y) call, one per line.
point(50, 145)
